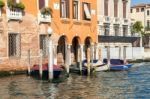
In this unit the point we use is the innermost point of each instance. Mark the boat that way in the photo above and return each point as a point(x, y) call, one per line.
point(117, 64)
point(56, 71)
point(74, 68)
point(97, 65)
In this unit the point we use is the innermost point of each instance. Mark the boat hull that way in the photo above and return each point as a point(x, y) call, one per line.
point(57, 70)
point(36, 74)
point(120, 67)
point(102, 68)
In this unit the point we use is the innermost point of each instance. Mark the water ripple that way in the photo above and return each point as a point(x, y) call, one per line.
point(132, 84)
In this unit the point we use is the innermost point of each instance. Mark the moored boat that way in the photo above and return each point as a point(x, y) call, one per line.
point(97, 65)
point(118, 64)
point(56, 71)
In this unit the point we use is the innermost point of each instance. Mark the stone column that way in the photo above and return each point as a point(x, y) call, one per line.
point(108, 54)
point(50, 59)
point(92, 53)
point(141, 41)
point(96, 52)
point(81, 57)
point(119, 52)
point(111, 32)
point(129, 30)
point(124, 54)
point(55, 54)
point(99, 53)
point(121, 30)
point(68, 57)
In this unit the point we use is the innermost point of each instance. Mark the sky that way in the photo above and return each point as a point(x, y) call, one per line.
point(133, 2)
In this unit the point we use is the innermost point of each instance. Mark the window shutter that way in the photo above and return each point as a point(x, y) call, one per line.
point(106, 7)
point(67, 9)
point(60, 8)
point(124, 9)
point(115, 8)
point(41, 4)
point(73, 15)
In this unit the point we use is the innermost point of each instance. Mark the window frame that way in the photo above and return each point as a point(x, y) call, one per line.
point(43, 47)
point(148, 12)
point(115, 8)
point(83, 12)
point(142, 9)
point(41, 6)
point(137, 10)
point(106, 29)
point(66, 6)
point(14, 53)
point(74, 16)
point(106, 7)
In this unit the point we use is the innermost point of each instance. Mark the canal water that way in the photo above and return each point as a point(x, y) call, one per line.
point(132, 84)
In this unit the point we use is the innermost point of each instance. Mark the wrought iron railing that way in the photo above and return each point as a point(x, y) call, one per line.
point(44, 18)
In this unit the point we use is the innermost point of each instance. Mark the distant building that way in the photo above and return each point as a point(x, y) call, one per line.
point(114, 30)
point(141, 12)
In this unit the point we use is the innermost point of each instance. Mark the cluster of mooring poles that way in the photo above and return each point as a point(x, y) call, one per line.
point(90, 50)
point(50, 57)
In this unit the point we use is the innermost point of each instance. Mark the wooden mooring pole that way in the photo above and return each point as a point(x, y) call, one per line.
point(108, 55)
point(88, 60)
point(29, 62)
point(40, 66)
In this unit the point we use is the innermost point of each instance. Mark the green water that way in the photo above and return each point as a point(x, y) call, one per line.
point(132, 84)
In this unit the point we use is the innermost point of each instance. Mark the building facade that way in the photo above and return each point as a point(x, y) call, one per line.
point(114, 27)
point(141, 12)
point(23, 33)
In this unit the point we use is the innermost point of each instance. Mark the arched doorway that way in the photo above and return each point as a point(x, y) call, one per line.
point(61, 50)
point(75, 49)
point(87, 43)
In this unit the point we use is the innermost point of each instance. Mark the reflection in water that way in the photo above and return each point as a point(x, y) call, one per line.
point(105, 85)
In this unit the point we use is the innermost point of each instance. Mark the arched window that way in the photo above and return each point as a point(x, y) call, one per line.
point(148, 12)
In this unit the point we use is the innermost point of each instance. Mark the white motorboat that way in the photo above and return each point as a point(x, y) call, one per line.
point(98, 65)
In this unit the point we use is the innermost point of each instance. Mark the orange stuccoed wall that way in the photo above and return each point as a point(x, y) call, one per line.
point(68, 27)
point(29, 30)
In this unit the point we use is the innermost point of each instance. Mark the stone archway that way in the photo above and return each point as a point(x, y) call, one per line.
point(61, 50)
point(75, 49)
point(87, 43)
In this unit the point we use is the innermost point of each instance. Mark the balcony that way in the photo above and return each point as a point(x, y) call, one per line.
point(14, 14)
point(44, 18)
